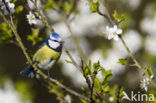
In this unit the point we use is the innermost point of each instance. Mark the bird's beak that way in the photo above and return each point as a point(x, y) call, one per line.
point(62, 42)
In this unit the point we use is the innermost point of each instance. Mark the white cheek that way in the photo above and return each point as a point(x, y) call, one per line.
point(53, 44)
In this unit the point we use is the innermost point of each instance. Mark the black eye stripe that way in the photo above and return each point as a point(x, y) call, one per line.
point(54, 40)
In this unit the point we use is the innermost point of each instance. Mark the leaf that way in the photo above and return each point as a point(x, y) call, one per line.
point(19, 9)
point(68, 61)
point(97, 84)
point(118, 17)
point(122, 61)
point(83, 101)
point(25, 90)
point(34, 38)
point(94, 5)
point(57, 91)
point(105, 89)
point(68, 6)
point(107, 76)
point(96, 67)
point(87, 71)
point(49, 5)
point(82, 88)
point(149, 70)
point(6, 33)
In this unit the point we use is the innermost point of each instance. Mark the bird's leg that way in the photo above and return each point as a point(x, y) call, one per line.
point(48, 75)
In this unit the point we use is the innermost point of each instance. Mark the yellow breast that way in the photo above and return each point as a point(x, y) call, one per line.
point(46, 53)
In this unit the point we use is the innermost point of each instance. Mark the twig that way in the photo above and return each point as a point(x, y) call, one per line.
point(12, 26)
point(64, 87)
point(90, 86)
point(75, 39)
point(137, 64)
point(85, 76)
point(107, 17)
point(118, 95)
point(92, 89)
point(42, 17)
point(72, 60)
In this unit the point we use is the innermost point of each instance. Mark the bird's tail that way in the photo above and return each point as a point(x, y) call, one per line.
point(29, 71)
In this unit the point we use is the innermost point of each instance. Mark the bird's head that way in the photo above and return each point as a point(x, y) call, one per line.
point(55, 41)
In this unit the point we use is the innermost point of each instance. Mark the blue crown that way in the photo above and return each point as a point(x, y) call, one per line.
point(55, 35)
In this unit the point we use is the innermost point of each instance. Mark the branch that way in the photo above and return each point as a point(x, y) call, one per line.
point(72, 60)
point(12, 26)
point(137, 64)
point(42, 17)
point(92, 89)
point(75, 39)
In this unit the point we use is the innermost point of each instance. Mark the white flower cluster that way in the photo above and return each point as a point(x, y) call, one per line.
point(31, 4)
point(145, 83)
point(113, 32)
point(67, 98)
point(9, 5)
point(31, 18)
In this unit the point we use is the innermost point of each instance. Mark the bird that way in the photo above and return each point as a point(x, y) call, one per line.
point(46, 55)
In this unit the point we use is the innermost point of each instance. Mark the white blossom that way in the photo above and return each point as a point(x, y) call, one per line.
point(31, 18)
point(111, 99)
point(10, 6)
point(145, 82)
point(1, 3)
point(113, 32)
point(67, 98)
point(31, 4)
point(7, 1)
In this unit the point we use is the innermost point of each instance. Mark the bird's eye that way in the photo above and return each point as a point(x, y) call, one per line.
point(55, 40)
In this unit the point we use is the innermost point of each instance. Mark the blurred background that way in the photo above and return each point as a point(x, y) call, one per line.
point(139, 33)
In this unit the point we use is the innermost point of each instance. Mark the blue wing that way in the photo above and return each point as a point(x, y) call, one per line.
point(41, 45)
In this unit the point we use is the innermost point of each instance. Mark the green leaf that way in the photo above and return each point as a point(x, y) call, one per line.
point(96, 67)
point(19, 9)
point(68, 6)
point(149, 70)
point(83, 101)
point(13, 1)
point(53, 88)
point(105, 89)
point(34, 38)
point(122, 61)
point(94, 5)
point(25, 90)
point(6, 33)
point(118, 17)
point(82, 88)
point(49, 5)
point(97, 84)
point(90, 64)
point(87, 70)
point(107, 76)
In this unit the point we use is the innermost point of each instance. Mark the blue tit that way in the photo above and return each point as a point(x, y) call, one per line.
point(46, 56)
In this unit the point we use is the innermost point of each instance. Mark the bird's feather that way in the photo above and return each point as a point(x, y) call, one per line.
point(46, 57)
point(29, 71)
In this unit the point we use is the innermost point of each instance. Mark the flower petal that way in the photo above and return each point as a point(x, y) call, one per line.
point(119, 31)
point(116, 37)
point(115, 27)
